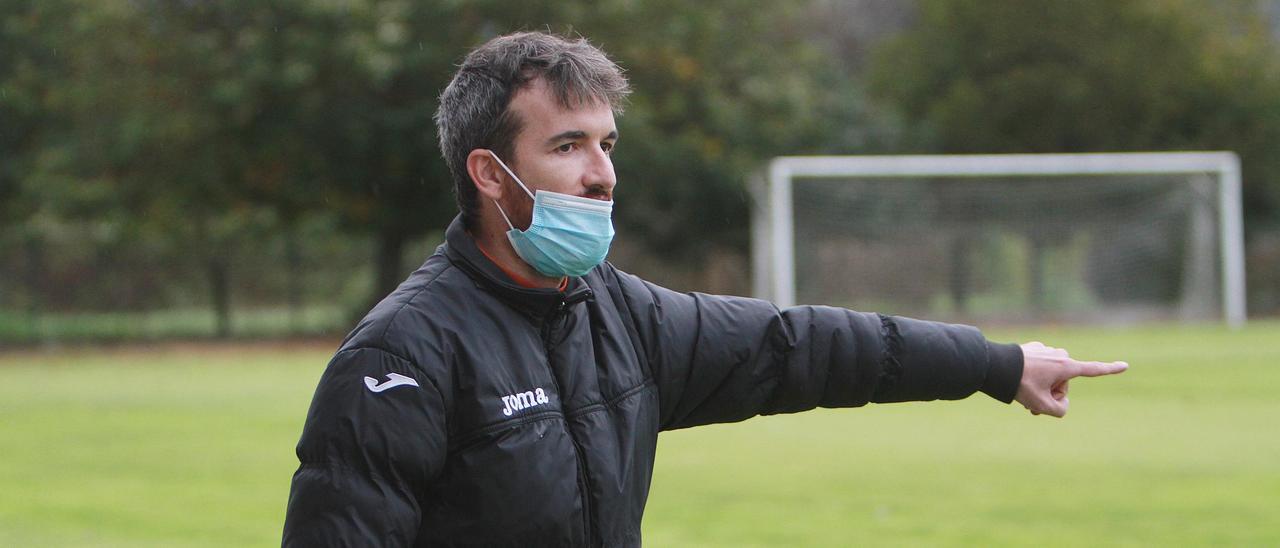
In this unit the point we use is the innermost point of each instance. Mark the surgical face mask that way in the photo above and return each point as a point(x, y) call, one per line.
point(569, 235)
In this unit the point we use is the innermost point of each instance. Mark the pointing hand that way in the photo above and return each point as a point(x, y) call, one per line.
point(1045, 373)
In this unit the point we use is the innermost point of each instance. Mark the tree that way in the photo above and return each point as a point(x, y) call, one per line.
point(30, 137)
point(1090, 75)
point(194, 121)
point(177, 111)
point(1086, 76)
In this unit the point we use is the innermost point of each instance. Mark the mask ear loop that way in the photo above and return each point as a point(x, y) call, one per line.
point(518, 182)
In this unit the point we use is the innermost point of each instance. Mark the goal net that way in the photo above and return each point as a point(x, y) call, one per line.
point(1098, 238)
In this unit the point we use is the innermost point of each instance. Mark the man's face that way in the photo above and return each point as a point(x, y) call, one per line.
point(560, 150)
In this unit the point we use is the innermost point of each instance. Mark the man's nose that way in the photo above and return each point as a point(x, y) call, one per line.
point(600, 175)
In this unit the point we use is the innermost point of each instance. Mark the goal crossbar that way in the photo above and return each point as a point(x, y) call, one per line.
point(774, 229)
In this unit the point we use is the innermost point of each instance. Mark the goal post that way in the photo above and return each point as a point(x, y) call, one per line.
point(1089, 219)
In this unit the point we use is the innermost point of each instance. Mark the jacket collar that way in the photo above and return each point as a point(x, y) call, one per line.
point(461, 249)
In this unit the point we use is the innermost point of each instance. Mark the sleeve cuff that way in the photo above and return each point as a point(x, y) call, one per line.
point(1004, 371)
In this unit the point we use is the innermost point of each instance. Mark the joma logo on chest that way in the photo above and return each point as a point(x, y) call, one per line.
point(523, 400)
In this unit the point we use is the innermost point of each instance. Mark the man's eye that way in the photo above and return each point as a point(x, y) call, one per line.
point(567, 147)
point(606, 147)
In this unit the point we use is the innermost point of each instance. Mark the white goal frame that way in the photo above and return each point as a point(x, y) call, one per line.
point(773, 222)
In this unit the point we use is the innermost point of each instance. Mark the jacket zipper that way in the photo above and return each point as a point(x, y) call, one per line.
point(583, 487)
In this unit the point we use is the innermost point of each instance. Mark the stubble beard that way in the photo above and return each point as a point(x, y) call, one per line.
point(518, 205)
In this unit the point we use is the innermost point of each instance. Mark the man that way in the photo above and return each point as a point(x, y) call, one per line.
point(511, 391)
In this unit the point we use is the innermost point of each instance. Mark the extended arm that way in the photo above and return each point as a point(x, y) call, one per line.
point(724, 359)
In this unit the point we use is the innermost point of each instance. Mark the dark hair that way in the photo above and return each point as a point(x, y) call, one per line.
point(474, 113)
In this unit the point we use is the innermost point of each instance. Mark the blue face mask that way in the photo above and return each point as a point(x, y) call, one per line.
point(569, 235)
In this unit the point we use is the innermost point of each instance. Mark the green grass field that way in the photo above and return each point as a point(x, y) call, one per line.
point(188, 445)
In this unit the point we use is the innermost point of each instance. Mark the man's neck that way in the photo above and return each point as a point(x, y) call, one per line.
point(494, 244)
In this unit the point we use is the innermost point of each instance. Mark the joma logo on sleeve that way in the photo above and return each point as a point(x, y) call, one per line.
point(393, 380)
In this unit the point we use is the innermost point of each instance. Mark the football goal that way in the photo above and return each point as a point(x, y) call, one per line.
point(1008, 238)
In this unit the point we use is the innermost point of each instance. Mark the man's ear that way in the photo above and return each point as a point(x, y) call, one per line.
point(485, 173)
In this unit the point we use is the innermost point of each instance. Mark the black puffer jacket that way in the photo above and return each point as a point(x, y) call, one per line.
point(465, 410)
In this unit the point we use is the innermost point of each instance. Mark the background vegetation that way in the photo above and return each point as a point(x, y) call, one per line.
point(245, 168)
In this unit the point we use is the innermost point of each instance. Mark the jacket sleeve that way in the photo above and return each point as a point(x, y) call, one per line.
point(365, 455)
point(726, 359)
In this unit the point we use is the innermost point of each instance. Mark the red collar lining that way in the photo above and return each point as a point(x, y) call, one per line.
point(518, 279)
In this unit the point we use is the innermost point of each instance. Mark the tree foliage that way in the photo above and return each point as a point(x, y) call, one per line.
point(192, 120)
point(190, 127)
point(1090, 75)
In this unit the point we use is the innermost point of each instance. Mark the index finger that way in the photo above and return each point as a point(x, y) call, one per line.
point(1098, 369)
